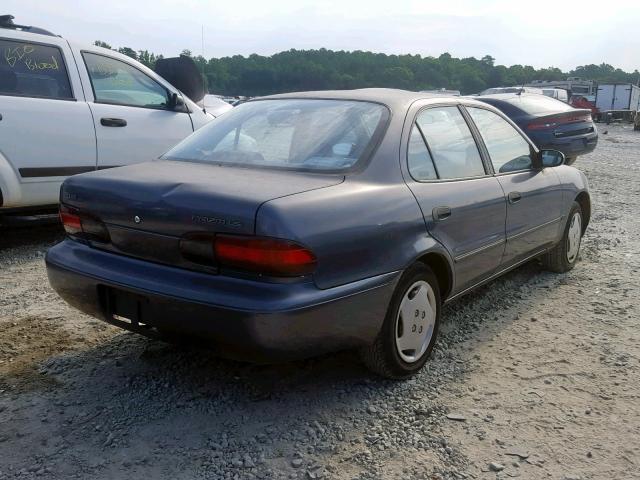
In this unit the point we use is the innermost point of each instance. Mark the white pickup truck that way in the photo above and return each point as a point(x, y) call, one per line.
point(67, 109)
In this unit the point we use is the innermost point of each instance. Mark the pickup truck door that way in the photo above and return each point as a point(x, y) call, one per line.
point(46, 130)
point(463, 205)
point(534, 195)
point(130, 106)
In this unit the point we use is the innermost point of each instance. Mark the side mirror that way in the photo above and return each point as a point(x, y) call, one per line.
point(176, 103)
point(550, 158)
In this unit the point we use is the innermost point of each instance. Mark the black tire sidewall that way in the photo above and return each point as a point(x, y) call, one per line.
point(415, 273)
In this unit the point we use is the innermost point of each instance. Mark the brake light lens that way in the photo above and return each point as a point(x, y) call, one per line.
point(267, 256)
point(70, 220)
point(82, 225)
point(548, 123)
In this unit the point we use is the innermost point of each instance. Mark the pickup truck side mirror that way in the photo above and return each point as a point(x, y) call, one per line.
point(550, 158)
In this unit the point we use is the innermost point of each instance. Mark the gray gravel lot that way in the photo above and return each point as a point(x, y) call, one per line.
point(535, 376)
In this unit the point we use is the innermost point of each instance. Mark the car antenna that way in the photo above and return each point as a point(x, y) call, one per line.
point(204, 89)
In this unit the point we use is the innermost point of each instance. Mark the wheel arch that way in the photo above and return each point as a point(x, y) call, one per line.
point(10, 191)
point(584, 200)
point(442, 269)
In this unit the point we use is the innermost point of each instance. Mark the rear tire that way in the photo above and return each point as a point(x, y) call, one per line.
point(564, 255)
point(403, 345)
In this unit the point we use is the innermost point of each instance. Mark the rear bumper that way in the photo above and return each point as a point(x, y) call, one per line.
point(571, 146)
point(240, 318)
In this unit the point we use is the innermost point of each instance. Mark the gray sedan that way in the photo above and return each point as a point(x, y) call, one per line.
point(310, 222)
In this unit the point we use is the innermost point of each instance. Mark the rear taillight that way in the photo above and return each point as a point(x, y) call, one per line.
point(267, 256)
point(551, 122)
point(83, 225)
point(198, 248)
point(70, 220)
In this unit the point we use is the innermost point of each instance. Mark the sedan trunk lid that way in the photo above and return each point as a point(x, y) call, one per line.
point(172, 198)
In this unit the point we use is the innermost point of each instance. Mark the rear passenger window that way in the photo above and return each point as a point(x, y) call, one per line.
point(33, 70)
point(419, 159)
point(454, 151)
point(508, 150)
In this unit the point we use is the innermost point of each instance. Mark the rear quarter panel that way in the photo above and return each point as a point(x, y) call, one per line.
point(357, 230)
point(573, 182)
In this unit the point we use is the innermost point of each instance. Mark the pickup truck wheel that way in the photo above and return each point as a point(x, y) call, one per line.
point(410, 328)
point(570, 160)
point(564, 255)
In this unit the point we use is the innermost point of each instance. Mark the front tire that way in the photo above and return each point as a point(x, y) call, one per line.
point(410, 328)
point(564, 255)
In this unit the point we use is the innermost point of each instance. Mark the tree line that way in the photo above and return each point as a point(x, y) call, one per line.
point(322, 69)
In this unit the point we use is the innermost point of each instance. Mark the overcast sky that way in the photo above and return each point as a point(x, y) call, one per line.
point(542, 33)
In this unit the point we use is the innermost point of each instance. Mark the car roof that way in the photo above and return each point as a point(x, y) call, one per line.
point(514, 98)
point(39, 36)
point(7, 23)
point(391, 97)
point(509, 96)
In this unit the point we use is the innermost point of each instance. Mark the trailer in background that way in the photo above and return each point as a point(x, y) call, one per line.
point(618, 96)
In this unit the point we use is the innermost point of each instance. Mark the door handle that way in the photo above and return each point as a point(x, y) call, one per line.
point(113, 122)
point(441, 213)
point(514, 197)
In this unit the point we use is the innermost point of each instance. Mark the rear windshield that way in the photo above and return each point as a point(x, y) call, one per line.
point(539, 104)
point(299, 134)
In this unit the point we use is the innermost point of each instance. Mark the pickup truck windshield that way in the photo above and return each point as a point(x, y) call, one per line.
point(299, 134)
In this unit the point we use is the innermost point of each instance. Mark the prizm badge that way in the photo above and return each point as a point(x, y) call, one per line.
point(71, 196)
point(137, 219)
point(216, 221)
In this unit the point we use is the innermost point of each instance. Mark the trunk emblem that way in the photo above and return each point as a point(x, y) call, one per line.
point(137, 219)
point(216, 221)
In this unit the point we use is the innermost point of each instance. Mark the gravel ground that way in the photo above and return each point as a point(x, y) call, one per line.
point(535, 376)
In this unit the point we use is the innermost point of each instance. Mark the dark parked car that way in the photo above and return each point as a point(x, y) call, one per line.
point(550, 123)
point(310, 222)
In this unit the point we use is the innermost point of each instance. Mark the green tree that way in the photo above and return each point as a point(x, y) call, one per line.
point(100, 43)
point(488, 60)
point(296, 70)
point(129, 52)
point(147, 58)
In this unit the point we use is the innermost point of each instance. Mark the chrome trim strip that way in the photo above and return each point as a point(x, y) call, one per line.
point(479, 250)
point(497, 274)
point(531, 230)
